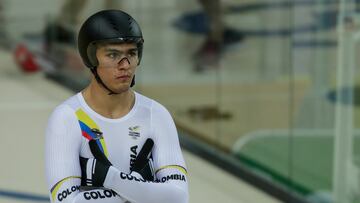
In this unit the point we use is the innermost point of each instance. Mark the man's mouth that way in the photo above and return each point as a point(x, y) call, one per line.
point(122, 77)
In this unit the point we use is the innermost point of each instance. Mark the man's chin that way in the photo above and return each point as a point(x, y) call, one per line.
point(120, 90)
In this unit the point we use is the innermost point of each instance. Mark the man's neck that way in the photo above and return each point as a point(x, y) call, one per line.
point(110, 106)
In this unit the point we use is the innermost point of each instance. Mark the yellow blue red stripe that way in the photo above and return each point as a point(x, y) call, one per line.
point(87, 126)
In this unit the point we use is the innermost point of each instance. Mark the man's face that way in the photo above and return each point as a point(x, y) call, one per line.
point(117, 64)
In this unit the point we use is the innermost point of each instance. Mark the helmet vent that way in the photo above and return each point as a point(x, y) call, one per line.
point(113, 25)
point(130, 26)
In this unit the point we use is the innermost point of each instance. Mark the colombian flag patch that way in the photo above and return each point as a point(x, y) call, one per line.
point(90, 130)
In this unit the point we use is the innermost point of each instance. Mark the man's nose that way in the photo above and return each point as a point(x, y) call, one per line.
point(124, 62)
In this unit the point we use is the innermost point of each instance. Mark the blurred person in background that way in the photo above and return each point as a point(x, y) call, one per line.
point(62, 29)
point(2, 20)
point(109, 143)
point(3, 34)
point(208, 55)
point(217, 37)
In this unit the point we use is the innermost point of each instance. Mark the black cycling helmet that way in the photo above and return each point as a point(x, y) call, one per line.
point(111, 26)
point(107, 26)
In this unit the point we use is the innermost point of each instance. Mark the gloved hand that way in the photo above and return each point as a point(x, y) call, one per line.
point(94, 170)
point(143, 163)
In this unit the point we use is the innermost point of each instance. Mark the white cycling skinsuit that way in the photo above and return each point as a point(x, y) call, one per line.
point(69, 131)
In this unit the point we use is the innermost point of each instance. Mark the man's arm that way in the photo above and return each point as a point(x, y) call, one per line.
point(133, 187)
point(171, 182)
point(63, 171)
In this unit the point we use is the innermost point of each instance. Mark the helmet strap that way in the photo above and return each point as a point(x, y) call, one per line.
point(98, 79)
point(132, 82)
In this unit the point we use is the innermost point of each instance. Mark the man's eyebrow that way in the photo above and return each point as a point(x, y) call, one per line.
point(120, 51)
point(111, 50)
point(134, 49)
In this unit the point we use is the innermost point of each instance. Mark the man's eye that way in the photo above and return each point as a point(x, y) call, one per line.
point(133, 53)
point(112, 55)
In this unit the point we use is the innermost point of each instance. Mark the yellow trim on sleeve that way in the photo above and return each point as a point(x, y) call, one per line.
point(180, 168)
point(57, 186)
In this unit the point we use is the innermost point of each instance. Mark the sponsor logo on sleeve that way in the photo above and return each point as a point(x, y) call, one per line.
point(62, 195)
point(99, 194)
point(65, 193)
point(180, 177)
point(125, 176)
point(133, 154)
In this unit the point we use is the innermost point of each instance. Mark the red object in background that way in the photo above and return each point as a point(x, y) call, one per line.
point(25, 59)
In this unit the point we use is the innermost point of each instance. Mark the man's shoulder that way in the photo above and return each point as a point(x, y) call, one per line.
point(72, 102)
point(150, 103)
point(67, 107)
point(157, 110)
